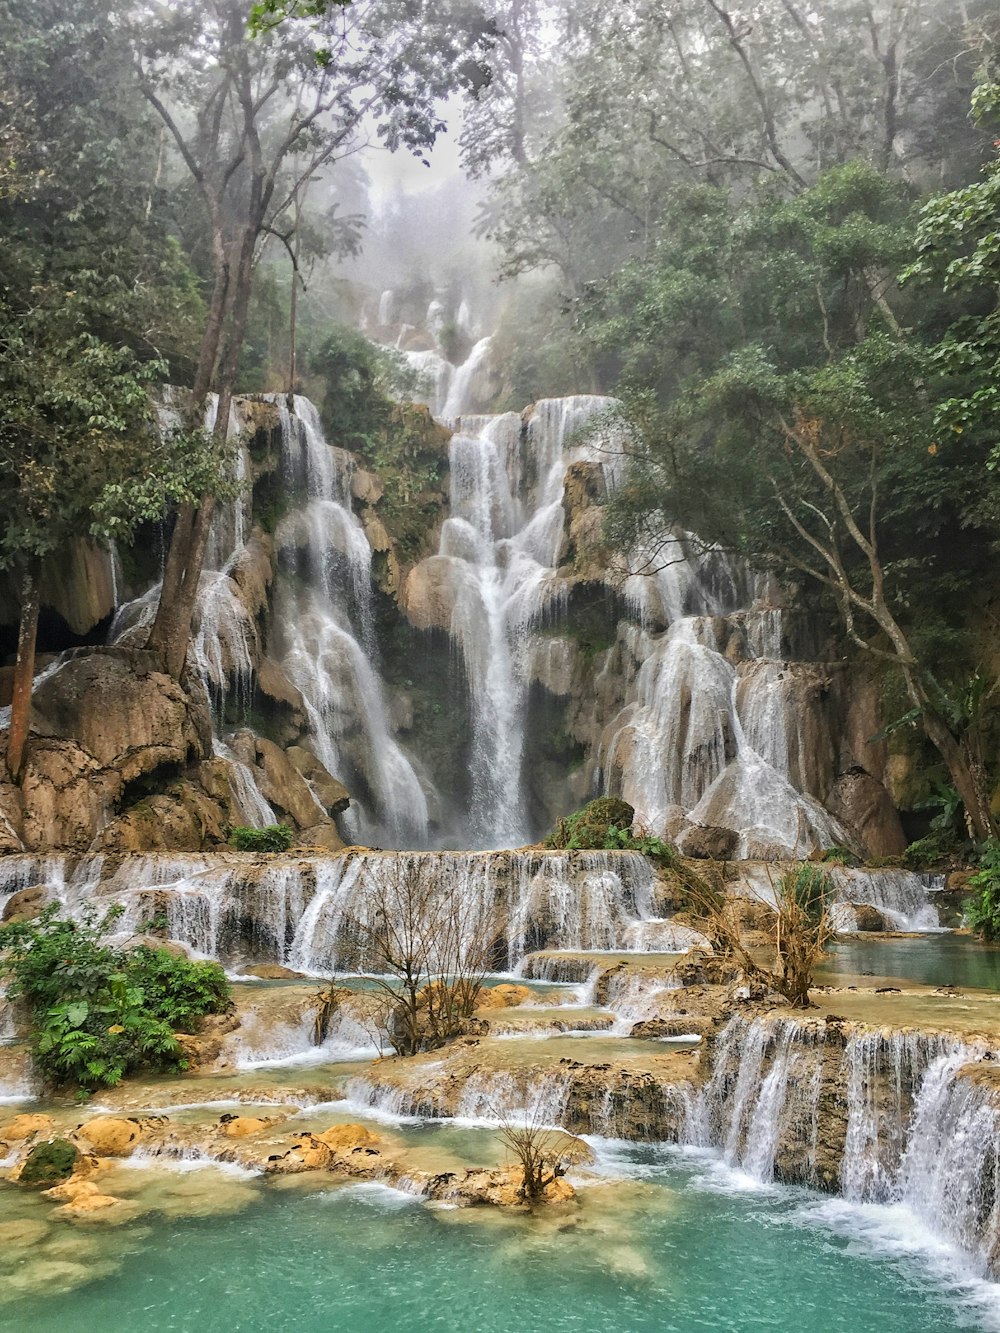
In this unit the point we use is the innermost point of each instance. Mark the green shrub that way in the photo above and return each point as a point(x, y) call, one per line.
point(97, 1012)
point(937, 847)
point(273, 838)
point(839, 856)
point(982, 909)
point(605, 825)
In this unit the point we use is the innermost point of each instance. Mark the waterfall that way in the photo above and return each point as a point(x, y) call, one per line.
point(922, 1119)
point(324, 621)
point(306, 913)
point(902, 896)
point(763, 1094)
point(498, 552)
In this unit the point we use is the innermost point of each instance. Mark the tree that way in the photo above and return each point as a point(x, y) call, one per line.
point(797, 429)
point(95, 305)
point(253, 121)
point(429, 948)
point(803, 929)
point(958, 248)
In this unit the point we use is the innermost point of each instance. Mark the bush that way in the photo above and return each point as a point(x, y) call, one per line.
point(982, 909)
point(98, 1013)
point(839, 856)
point(934, 850)
point(605, 825)
point(273, 838)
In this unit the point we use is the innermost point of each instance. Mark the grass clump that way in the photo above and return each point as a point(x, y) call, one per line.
point(99, 1013)
point(272, 838)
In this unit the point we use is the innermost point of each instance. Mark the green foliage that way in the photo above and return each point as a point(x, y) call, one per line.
point(98, 1013)
point(49, 1163)
point(982, 909)
point(273, 838)
point(809, 887)
point(839, 856)
point(605, 824)
point(935, 849)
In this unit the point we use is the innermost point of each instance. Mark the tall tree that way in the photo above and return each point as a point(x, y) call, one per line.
point(252, 121)
point(95, 304)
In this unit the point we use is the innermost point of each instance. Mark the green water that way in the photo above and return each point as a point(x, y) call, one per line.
point(674, 1247)
point(932, 960)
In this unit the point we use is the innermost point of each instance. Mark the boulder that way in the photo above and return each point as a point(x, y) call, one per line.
point(864, 805)
point(868, 918)
point(504, 996)
point(308, 1154)
point(707, 842)
point(273, 972)
point(26, 1126)
point(348, 1138)
point(87, 1203)
point(331, 792)
point(48, 1163)
point(109, 1136)
point(246, 1126)
point(278, 690)
point(24, 905)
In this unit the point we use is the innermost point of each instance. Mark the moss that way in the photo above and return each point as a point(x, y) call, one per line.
point(49, 1163)
point(587, 829)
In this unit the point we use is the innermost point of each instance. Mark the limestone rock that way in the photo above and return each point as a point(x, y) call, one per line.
point(109, 1136)
point(79, 585)
point(331, 792)
point(272, 972)
point(11, 839)
point(182, 819)
point(366, 486)
point(868, 918)
point(504, 996)
point(66, 795)
point(347, 1138)
point(26, 1126)
point(430, 591)
point(284, 786)
point(707, 842)
point(122, 711)
point(48, 1163)
point(246, 1126)
point(86, 1203)
point(863, 804)
point(24, 905)
point(278, 691)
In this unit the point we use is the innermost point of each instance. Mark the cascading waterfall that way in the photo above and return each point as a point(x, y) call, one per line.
point(922, 1128)
point(306, 913)
point(324, 630)
point(499, 548)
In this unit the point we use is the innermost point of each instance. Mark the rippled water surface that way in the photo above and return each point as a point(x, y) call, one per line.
point(676, 1244)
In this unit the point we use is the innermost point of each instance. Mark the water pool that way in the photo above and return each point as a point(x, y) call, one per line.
point(680, 1245)
point(932, 960)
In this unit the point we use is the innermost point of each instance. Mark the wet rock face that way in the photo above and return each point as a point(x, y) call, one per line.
point(708, 842)
point(862, 803)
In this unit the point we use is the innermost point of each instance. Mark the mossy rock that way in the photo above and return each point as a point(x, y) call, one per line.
point(49, 1163)
point(587, 829)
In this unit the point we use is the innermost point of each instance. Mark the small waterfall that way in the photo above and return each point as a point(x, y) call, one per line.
point(763, 1094)
point(324, 618)
point(526, 901)
point(902, 896)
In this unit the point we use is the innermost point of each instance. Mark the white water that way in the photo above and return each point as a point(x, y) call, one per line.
point(920, 1137)
point(324, 630)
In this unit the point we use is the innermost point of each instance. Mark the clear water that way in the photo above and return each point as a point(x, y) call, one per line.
point(679, 1246)
point(932, 960)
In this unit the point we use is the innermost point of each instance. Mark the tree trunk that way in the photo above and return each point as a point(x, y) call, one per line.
point(969, 779)
point(24, 673)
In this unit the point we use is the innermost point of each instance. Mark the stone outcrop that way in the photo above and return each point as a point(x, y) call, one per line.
point(862, 803)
